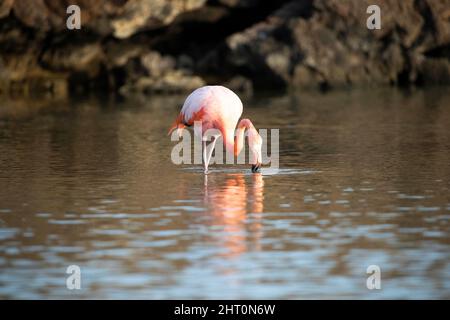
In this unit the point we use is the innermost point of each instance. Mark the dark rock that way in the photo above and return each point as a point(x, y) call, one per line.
point(185, 62)
point(160, 74)
point(20, 76)
point(149, 14)
point(123, 18)
point(84, 58)
point(167, 46)
point(174, 81)
point(156, 64)
point(435, 71)
point(5, 7)
point(240, 84)
point(118, 54)
point(241, 3)
point(331, 46)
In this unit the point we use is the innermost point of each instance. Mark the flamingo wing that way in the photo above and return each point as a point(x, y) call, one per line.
point(216, 106)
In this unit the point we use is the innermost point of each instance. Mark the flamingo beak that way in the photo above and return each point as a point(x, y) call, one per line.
point(256, 167)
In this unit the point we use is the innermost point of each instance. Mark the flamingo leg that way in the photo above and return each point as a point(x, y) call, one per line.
point(205, 158)
point(211, 148)
point(207, 152)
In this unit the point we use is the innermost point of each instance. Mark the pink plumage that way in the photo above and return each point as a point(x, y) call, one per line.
point(217, 107)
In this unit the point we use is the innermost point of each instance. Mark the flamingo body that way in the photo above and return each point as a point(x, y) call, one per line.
point(217, 107)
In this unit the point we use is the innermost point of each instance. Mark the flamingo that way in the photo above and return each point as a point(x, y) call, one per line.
point(219, 108)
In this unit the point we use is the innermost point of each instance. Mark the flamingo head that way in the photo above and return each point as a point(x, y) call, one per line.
point(255, 144)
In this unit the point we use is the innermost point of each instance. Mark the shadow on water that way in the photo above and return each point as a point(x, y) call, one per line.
point(364, 179)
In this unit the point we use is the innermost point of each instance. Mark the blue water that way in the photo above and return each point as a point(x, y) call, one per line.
point(364, 180)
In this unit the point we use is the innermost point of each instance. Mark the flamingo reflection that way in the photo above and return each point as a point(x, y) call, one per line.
point(237, 208)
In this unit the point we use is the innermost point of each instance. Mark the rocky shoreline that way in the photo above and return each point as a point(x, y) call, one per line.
point(150, 46)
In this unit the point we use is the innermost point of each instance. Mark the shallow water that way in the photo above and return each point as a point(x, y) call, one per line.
point(364, 180)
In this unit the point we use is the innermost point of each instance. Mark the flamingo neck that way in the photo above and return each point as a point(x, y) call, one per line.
point(244, 124)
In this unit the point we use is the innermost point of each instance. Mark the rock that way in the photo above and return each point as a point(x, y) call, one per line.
point(305, 77)
point(265, 50)
point(165, 46)
point(156, 64)
point(5, 7)
point(118, 55)
point(122, 18)
point(34, 14)
point(241, 3)
point(44, 16)
point(85, 58)
point(440, 15)
point(20, 75)
point(161, 74)
point(329, 45)
point(174, 81)
point(150, 14)
point(240, 84)
point(34, 40)
point(435, 71)
point(185, 62)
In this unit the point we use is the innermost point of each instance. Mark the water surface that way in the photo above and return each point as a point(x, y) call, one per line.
point(364, 180)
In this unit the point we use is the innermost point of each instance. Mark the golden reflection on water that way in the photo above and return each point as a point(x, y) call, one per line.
point(230, 204)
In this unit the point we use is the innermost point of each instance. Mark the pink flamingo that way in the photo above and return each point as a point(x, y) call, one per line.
point(220, 108)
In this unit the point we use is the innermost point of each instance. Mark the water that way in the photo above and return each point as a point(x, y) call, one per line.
point(364, 180)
